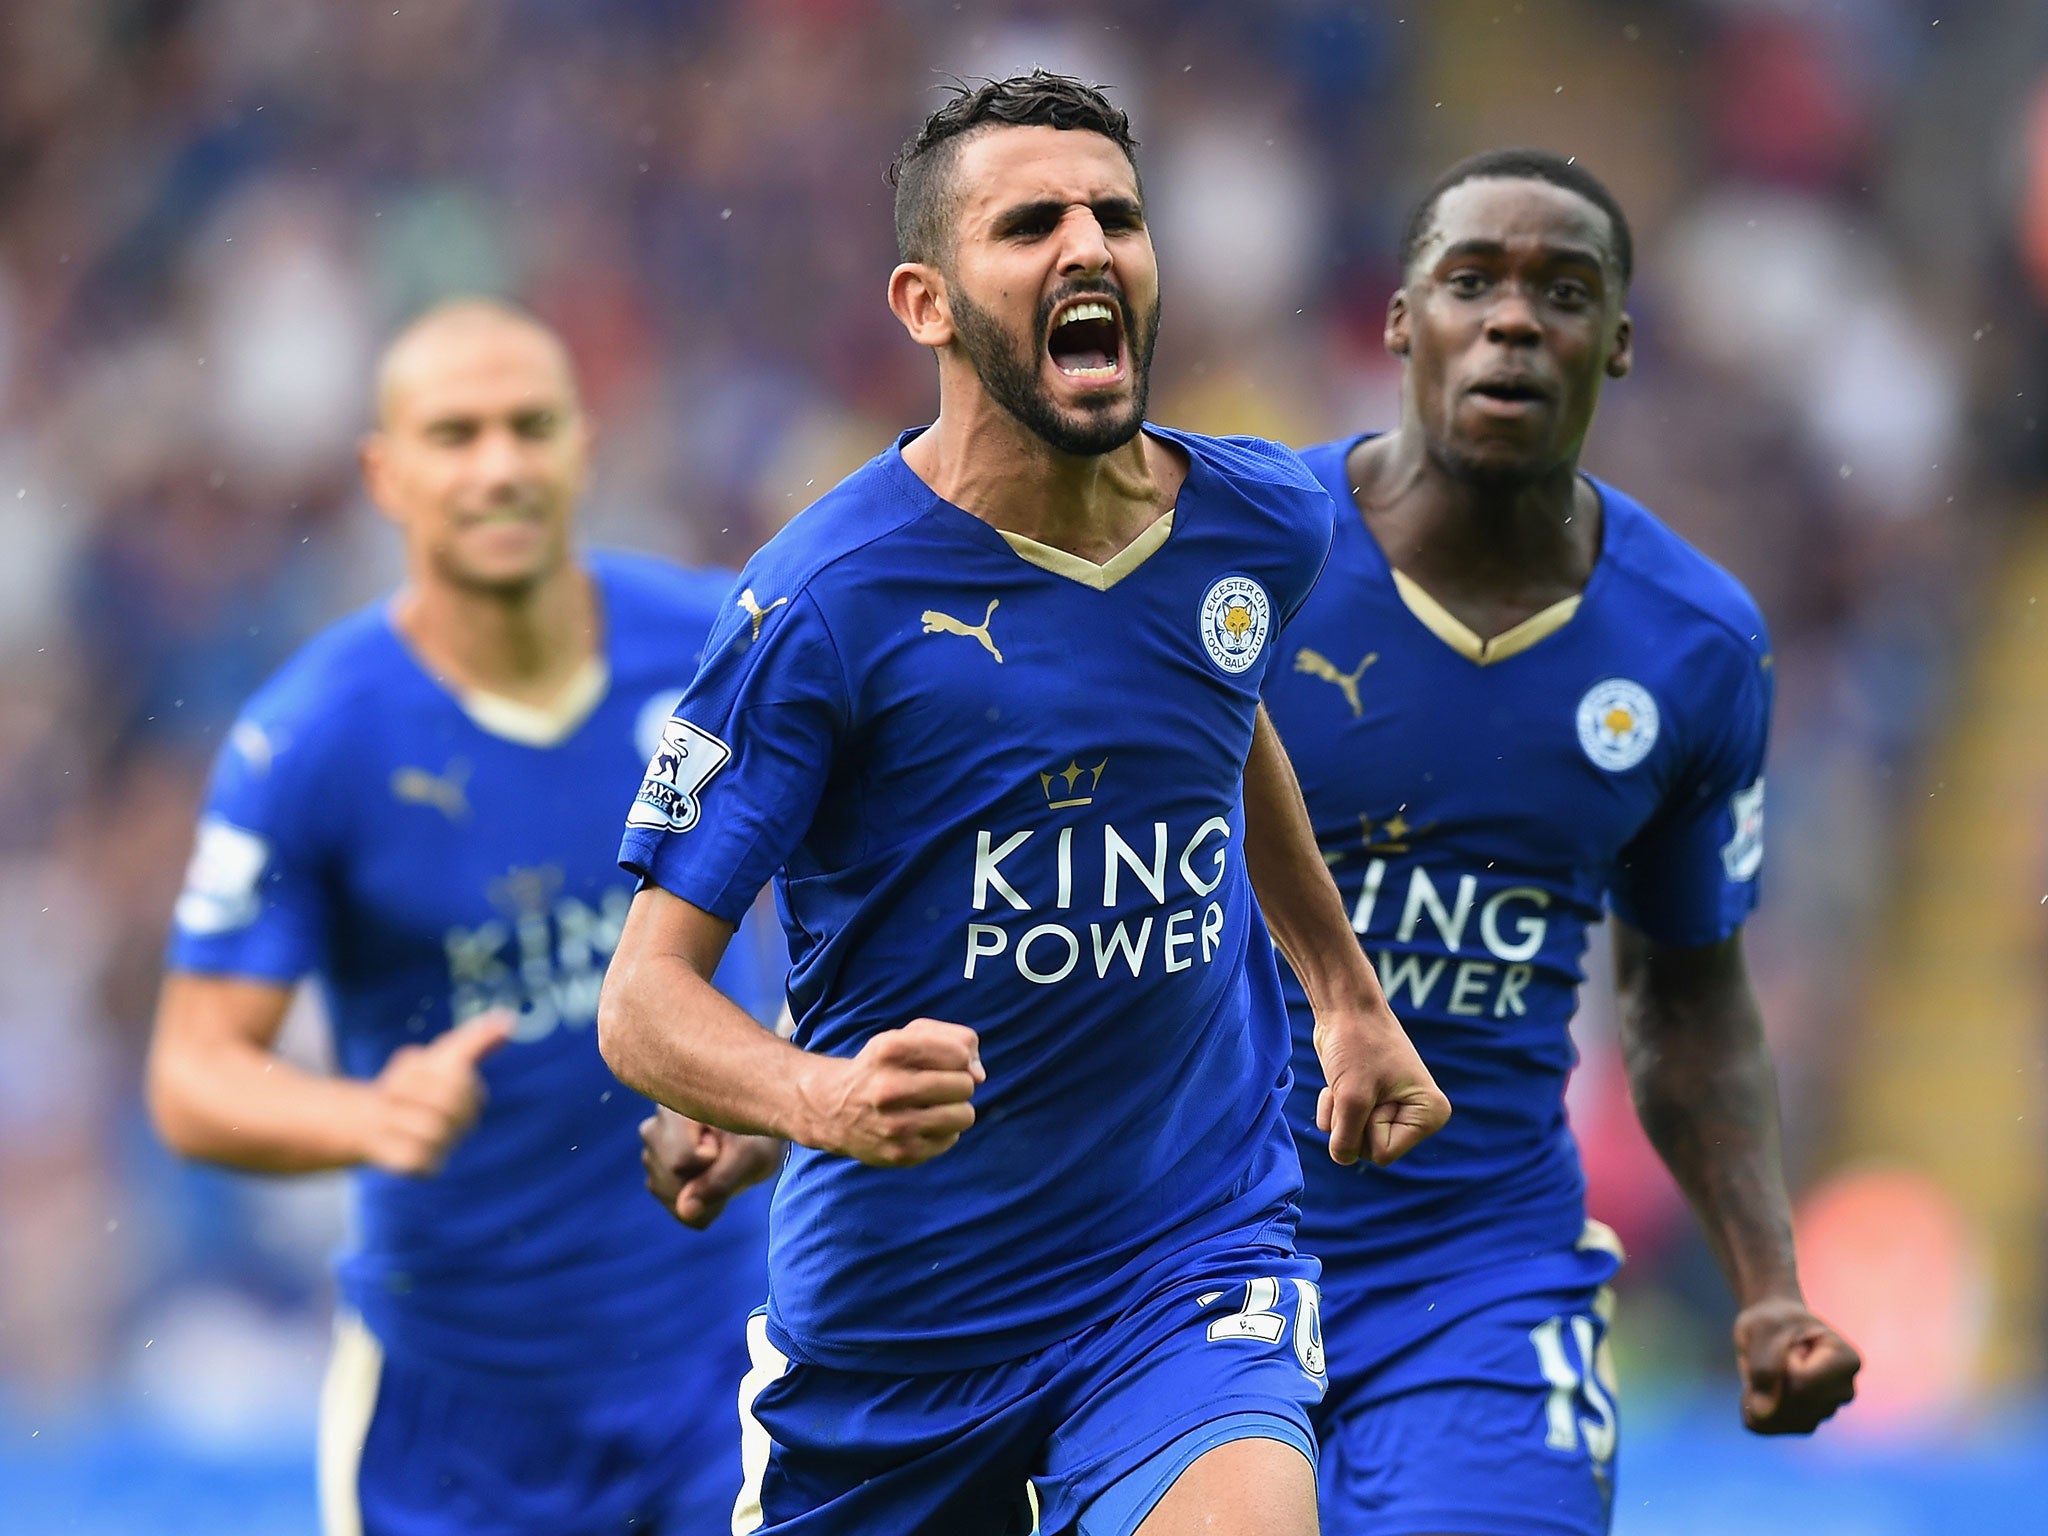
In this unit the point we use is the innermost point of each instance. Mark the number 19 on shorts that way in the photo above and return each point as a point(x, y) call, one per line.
point(1568, 1354)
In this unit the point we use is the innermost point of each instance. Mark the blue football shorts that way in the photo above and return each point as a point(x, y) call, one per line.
point(1084, 1437)
point(409, 1448)
point(1480, 1405)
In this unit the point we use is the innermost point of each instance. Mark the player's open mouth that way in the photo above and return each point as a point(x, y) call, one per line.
point(496, 517)
point(1512, 391)
point(1086, 341)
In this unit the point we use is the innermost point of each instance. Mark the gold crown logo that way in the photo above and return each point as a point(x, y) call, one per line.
point(1069, 781)
point(522, 893)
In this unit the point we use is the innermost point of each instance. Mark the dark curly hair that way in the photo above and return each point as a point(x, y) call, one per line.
point(1524, 165)
point(921, 171)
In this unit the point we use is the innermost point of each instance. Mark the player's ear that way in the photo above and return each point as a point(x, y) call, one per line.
point(1622, 356)
point(917, 297)
point(1396, 333)
point(373, 459)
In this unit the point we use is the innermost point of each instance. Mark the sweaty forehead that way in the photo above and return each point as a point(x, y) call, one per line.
point(1001, 167)
point(1521, 213)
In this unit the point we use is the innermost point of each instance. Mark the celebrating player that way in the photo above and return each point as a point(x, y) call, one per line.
point(1513, 696)
point(422, 809)
point(991, 720)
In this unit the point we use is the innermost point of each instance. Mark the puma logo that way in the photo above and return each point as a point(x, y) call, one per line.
point(446, 792)
point(937, 623)
point(1316, 664)
point(754, 609)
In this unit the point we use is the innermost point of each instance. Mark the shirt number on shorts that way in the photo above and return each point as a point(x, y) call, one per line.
point(1259, 1319)
point(1568, 1356)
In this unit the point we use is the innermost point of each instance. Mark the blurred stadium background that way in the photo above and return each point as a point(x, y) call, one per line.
point(211, 210)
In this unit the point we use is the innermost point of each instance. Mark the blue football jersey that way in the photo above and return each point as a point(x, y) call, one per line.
point(1479, 803)
point(364, 828)
point(1002, 786)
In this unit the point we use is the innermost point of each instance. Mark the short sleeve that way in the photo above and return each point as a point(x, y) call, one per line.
point(1320, 529)
point(254, 902)
point(733, 786)
point(1690, 877)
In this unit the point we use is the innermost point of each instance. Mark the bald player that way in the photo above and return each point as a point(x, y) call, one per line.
point(421, 811)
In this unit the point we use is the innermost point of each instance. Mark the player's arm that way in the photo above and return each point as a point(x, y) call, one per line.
point(1707, 1094)
point(217, 1089)
point(1381, 1100)
point(667, 1032)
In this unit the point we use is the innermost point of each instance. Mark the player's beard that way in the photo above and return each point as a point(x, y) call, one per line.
point(1010, 374)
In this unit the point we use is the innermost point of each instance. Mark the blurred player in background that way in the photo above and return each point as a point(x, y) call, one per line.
point(991, 719)
point(421, 809)
point(1514, 696)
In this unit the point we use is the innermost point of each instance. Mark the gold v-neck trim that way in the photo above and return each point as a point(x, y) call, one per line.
point(540, 725)
point(1466, 641)
point(1101, 577)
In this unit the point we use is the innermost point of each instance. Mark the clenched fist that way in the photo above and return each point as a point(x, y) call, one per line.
point(1381, 1101)
point(901, 1101)
point(428, 1096)
point(694, 1168)
point(1796, 1370)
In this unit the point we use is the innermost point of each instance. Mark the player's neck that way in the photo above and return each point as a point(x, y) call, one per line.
point(526, 644)
point(1522, 544)
point(984, 461)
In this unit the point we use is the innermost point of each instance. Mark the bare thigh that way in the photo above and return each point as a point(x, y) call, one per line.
point(1242, 1488)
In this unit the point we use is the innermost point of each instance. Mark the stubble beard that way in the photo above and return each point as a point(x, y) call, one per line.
point(1010, 374)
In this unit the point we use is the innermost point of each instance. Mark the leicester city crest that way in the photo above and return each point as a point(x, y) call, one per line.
point(1235, 618)
point(1617, 724)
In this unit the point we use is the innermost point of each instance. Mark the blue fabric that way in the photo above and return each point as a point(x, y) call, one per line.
point(859, 1452)
point(455, 1453)
point(1477, 818)
point(1451, 1416)
point(1123, 1506)
point(361, 827)
point(1001, 796)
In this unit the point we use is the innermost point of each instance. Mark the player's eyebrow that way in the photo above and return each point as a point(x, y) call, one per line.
point(1481, 246)
point(1119, 210)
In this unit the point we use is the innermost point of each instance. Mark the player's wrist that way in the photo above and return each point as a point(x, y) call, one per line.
point(808, 1119)
point(366, 1123)
point(1345, 984)
point(1777, 1294)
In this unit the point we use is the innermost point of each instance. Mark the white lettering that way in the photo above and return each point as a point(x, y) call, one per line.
point(1530, 930)
point(537, 1017)
point(1422, 893)
point(576, 996)
point(1120, 942)
point(587, 935)
point(986, 875)
point(1368, 895)
point(1212, 930)
point(1047, 978)
point(1177, 940)
point(1469, 987)
point(473, 954)
point(1117, 852)
point(1600, 1433)
point(536, 954)
point(1510, 999)
point(1213, 824)
point(1066, 896)
point(1408, 969)
point(978, 937)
